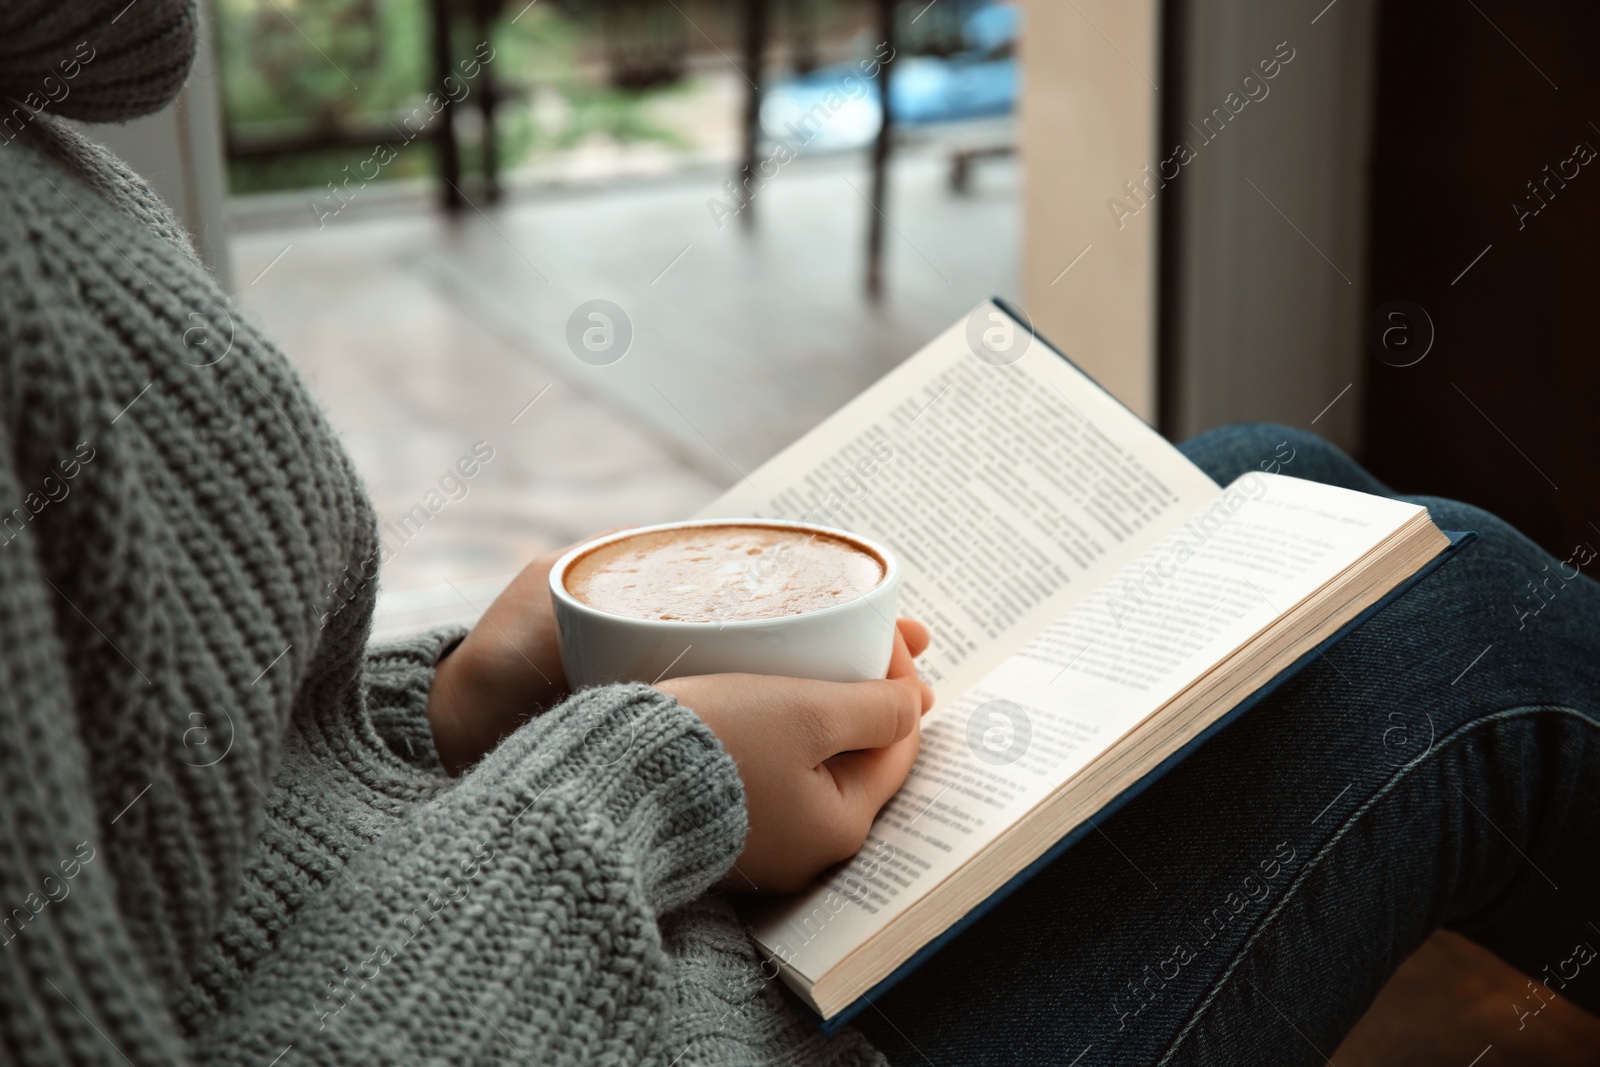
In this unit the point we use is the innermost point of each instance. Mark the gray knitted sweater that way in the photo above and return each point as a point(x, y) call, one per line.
point(227, 836)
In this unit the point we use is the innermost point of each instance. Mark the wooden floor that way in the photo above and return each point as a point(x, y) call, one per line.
point(1453, 1004)
point(422, 338)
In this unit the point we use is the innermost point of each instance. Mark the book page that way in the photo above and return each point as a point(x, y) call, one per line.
point(1069, 694)
point(1007, 491)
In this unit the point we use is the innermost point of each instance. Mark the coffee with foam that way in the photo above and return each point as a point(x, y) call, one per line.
point(723, 573)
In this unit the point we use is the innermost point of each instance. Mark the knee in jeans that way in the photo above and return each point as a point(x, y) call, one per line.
point(1497, 538)
point(1281, 446)
point(1454, 515)
point(1230, 451)
point(1504, 571)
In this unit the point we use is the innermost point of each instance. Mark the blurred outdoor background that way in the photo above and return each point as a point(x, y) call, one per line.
point(631, 248)
point(425, 282)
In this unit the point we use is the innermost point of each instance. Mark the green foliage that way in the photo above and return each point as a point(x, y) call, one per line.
point(299, 66)
point(313, 170)
point(311, 61)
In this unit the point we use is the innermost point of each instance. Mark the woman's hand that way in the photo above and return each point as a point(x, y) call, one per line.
point(818, 759)
point(507, 670)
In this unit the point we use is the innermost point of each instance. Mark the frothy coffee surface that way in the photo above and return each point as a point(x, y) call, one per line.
point(723, 573)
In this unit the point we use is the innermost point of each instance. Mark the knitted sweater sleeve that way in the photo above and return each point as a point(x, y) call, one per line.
point(75, 985)
point(223, 829)
point(397, 678)
point(513, 914)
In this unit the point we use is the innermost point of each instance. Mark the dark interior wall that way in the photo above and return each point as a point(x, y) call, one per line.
point(1474, 100)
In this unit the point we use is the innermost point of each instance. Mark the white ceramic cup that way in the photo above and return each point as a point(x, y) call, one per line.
point(849, 642)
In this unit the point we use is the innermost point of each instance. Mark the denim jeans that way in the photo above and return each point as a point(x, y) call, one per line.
point(1438, 767)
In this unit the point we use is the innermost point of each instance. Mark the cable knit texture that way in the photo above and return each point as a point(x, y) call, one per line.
point(96, 60)
point(225, 835)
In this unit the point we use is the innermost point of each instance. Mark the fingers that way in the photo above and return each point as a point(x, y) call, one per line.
point(866, 715)
point(868, 777)
point(867, 780)
point(844, 716)
point(910, 640)
point(900, 664)
point(916, 636)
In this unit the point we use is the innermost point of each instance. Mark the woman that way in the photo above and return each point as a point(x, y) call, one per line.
point(238, 834)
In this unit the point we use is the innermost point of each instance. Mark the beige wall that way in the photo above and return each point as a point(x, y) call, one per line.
point(1089, 122)
point(1269, 217)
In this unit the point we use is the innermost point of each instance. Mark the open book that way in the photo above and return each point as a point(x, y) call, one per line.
point(1096, 603)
